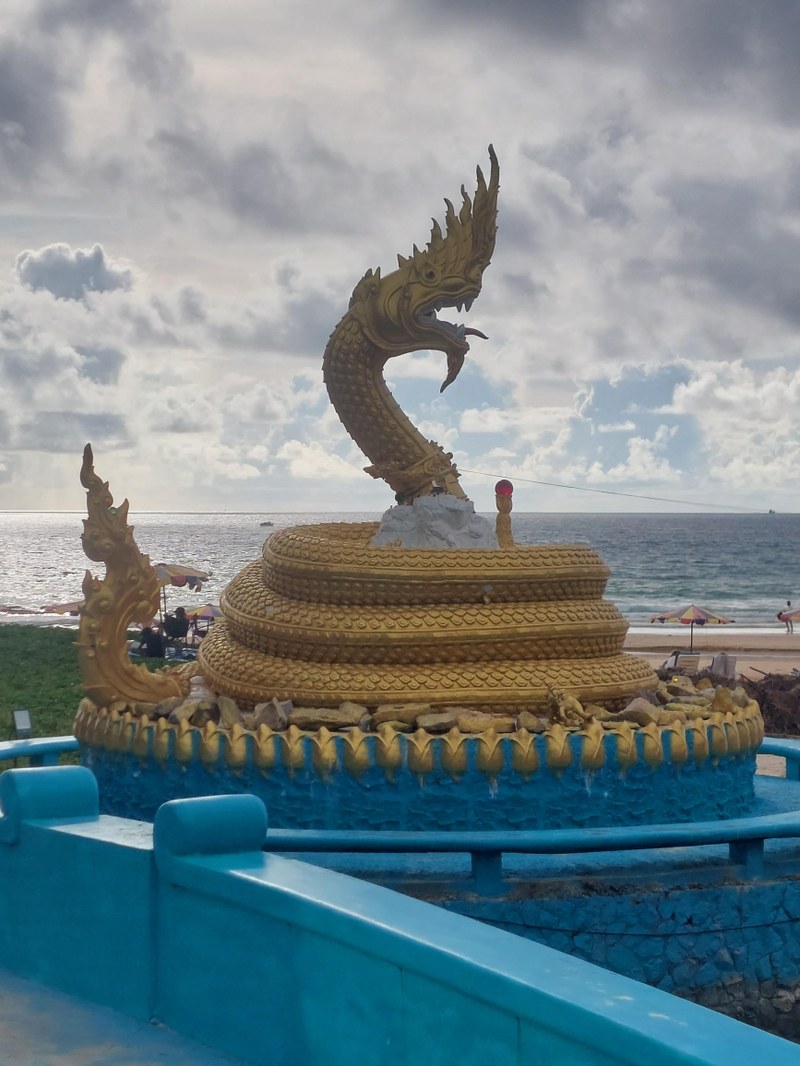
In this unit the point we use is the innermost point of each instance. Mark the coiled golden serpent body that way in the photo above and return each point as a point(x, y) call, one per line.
point(325, 617)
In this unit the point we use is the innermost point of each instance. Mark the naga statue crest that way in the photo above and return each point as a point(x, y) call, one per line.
point(398, 314)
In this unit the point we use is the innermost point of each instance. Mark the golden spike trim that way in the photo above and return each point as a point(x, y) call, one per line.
point(127, 594)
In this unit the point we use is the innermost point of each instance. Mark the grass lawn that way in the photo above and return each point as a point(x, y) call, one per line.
point(39, 671)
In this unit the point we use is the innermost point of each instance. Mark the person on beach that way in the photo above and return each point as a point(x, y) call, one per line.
point(151, 644)
point(176, 626)
point(783, 616)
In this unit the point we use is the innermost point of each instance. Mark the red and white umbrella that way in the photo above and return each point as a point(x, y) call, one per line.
point(180, 576)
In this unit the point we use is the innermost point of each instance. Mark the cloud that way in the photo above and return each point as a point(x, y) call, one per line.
point(33, 114)
point(68, 431)
point(71, 275)
point(197, 193)
point(313, 462)
point(101, 363)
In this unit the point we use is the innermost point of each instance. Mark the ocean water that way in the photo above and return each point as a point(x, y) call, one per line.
point(744, 566)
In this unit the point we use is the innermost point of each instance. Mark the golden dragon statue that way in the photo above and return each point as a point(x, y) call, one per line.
point(398, 314)
point(327, 615)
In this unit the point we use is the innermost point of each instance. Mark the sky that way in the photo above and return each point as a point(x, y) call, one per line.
point(190, 192)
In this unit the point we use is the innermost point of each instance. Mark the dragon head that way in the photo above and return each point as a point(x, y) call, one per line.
point(399, 312)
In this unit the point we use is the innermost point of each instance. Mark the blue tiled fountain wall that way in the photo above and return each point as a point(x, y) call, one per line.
point(403, 799)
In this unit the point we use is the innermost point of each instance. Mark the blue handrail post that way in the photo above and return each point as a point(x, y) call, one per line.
point(748, 854)
point(793, 767)
point(487, 872)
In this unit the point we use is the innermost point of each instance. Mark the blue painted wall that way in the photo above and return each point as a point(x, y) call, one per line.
point(279, 961)
point(302, 798)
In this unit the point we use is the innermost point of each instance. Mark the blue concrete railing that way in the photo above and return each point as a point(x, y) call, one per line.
point(745, 837)
point(39, 751)
point(277, 961)
point(787, 749)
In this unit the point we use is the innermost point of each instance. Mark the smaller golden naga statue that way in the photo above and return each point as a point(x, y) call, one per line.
point(128, 595)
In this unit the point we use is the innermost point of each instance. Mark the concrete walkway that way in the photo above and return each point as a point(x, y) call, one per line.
point(39, 1027)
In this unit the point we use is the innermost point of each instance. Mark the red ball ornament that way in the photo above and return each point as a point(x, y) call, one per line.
point(504, 488)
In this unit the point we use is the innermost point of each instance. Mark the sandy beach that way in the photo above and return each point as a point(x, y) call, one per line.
point(757, 652)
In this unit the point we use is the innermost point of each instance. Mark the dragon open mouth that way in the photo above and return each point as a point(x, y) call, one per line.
point(455, 355)
point(430, 317)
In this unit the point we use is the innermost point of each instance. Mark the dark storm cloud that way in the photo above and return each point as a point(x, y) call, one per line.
point(303, 327)
point(285, 191)
point(140, 26)
point(68, 274)
point(102, 365)
point(33, 118)
point(698, 49)
point(728, 51)
point(559, 21)
point(68, 431)
point(733, 241)
point(23, 369)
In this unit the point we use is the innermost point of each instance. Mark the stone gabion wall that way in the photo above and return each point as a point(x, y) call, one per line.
point(734, 947)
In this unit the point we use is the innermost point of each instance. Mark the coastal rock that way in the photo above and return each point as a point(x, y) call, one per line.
point(438, 722)
point(330, 717)
point(206, 712)
point(680, 685)
point(400, 727)
point(441, 521)
point(478, 722)
point(602, 714)
point(354, 708)
point(184, 711)
point(273, 714)
point(640, 711)
point(399, 712)
point(661, 693)
point(166, 707)
point(199, 689)
point(534, 723)
point(229, 713)
point(723, 701)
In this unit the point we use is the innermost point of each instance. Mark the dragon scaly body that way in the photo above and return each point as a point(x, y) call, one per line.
point(398, 314)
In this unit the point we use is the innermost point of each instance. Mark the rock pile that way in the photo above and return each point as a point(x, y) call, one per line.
point(677, 700)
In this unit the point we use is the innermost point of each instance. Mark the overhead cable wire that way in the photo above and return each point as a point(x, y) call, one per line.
point(617, 492)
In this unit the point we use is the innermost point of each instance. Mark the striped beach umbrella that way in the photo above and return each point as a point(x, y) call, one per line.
point(207, 612)
point(72, 607)
point(180, 576)
point(692, 616)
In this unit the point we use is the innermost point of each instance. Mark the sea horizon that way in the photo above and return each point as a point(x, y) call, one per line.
point(742, 565)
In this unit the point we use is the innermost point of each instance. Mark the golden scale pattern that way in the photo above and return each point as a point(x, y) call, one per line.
point(260, 619)
point(329, 618)
point(735, 733)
